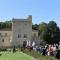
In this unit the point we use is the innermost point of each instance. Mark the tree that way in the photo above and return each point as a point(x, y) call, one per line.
point(52, 26)
point(49, 33)
point(3, 25)
point(0, 25)
point(42, 27)
point(7, 24)
point(35, 26)
point(42, 31)
point(53, 32)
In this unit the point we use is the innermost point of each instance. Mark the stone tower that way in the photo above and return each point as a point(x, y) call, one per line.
point(21, 30)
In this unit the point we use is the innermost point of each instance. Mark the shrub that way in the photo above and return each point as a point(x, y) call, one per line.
point(3, 49)
point(14, 50)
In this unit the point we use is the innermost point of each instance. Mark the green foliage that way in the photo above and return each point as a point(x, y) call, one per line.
point(49, 32)
point(14, 50)
point(7, 24)
point(42, 27)
point(35, 27)
point(3, 49)
point(52, 26)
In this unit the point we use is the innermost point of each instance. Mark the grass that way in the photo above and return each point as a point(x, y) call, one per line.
point(38, 56)
point(27, 55)
point(14, 56)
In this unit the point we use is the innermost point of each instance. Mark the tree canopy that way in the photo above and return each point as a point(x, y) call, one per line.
point(49, 32)
point(7, 24)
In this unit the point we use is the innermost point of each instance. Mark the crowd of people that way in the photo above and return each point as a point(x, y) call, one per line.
point(49, 50)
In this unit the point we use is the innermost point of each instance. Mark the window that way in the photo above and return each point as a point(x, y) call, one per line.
point(19, 35)
point(25, 35)
point(5, 34)
point(2, 40)
point(0, 35)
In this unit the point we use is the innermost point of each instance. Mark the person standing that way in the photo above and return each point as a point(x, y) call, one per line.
point(58, 54)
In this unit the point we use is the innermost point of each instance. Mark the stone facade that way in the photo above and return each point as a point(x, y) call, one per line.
point(5, 38)
point(21, 31)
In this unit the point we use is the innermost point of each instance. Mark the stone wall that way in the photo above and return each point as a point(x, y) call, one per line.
point(5, 38)
point(22, 30)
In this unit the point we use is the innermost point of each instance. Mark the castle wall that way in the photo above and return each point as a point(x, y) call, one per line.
point(22, 30)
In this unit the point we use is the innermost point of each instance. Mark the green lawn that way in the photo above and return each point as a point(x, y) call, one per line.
point(14, 56)
point(39, 56)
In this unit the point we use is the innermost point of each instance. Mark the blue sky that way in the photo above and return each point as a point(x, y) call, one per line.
point(41, 10)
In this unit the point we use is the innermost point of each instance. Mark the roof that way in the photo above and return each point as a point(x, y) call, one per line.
point(15, 19)
point(28, 19)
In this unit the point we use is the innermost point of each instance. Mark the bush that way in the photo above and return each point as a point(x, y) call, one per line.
point(14, 50)
point(3, 49)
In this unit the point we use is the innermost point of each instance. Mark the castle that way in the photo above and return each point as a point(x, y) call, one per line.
point(21, 31)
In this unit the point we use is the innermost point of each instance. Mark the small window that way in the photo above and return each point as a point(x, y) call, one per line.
point(5, 34)
point(2, 40)
point(19, 35)
point(0, 34)
point(25, 35)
